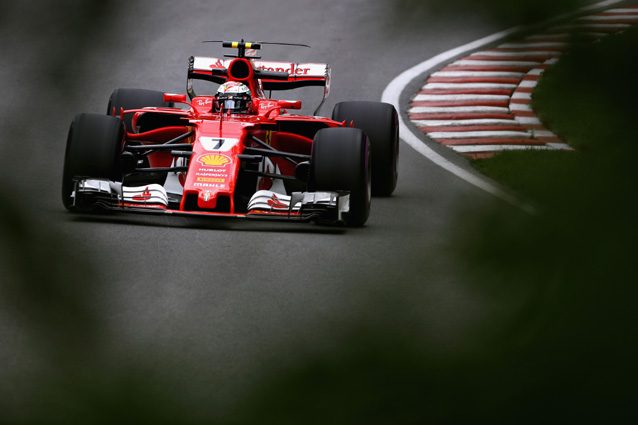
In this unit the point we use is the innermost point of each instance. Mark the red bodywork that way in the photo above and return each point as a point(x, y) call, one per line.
point(218, 139)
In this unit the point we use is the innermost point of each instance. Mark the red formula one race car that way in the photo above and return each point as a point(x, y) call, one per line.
point(236, 153)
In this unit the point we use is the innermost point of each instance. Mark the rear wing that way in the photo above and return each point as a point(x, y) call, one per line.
point(298, 74)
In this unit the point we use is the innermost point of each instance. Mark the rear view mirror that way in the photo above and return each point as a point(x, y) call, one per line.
point(289, 104)
point(174, 98)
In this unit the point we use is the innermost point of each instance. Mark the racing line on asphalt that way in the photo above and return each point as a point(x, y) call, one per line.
point(479, 104)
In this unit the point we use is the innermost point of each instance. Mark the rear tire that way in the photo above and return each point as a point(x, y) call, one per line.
point(93, 148)
point(340, 161)
point(380, 122)
point(134, 99)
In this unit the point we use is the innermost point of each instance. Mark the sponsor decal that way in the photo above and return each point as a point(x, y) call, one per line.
point(209, 185)
point(160, 205)
point(205, 102)
point(144, 196)
point(207, 196)
point(292, 70)
point(275, 213)
point(223, 144)
point(211, 179)
point(217, 177)
point(214, 160)
point(218, 64)
point(274, 202)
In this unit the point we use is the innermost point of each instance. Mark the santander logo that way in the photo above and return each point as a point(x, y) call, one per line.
point(292, 70)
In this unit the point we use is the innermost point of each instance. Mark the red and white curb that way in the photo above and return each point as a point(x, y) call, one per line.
point(480, 104)
point(393, 92)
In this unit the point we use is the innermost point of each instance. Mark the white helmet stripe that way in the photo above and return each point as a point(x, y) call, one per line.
point(233, 87)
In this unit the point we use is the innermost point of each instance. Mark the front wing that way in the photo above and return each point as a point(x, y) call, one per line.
point(328, 207)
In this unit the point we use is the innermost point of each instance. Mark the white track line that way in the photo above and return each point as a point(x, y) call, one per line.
point(479, 134)
point(497, 148)
point(532, 45)
point(530, 53)
point(521, 107)
point(502, 74)
point(528, 84)
point(468, 86)
point(528, 120)
point(458, 109)
point(453, 97)
point(460, 123)
point(392, 94)
point(521, 95)
point(473, 62)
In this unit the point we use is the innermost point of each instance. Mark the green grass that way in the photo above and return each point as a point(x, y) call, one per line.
point(588, 99)
point(574, 338)
point(521, 172)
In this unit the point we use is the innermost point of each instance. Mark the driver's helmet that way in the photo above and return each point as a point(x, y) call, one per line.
point(234, 97)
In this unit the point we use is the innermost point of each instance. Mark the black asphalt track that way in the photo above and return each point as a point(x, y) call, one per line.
point(224, 296)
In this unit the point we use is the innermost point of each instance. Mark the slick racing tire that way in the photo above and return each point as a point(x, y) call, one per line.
point(340, 161)
point(134, 99)
point(93, 149)
point(380, 122)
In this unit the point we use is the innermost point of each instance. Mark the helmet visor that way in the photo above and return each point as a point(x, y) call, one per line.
point(239, 104)
point(230, 105)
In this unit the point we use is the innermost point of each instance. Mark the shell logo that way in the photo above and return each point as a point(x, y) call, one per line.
point(214, 160)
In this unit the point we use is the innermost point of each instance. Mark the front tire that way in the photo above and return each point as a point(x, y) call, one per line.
point(380, 122)
point(340, 161)
point(93, 149)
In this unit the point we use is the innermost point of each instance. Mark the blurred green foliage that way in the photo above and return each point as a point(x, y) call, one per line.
point(558, 347)
point(579, 252)
point(52, 321)
point(561, 344)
